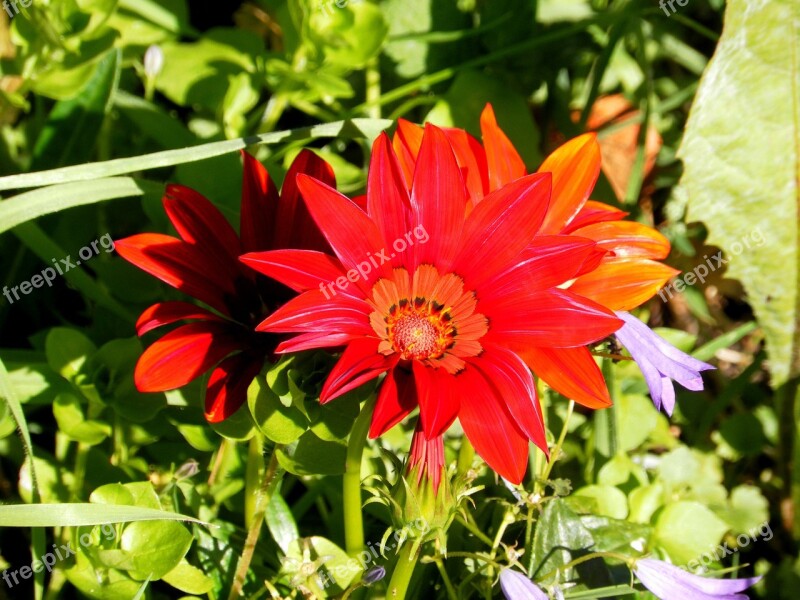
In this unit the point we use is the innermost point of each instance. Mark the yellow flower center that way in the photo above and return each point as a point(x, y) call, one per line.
point(427, 317)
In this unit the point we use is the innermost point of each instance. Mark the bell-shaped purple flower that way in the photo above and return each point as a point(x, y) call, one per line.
point(669, 582)
point(517, 586)
point(660, 362)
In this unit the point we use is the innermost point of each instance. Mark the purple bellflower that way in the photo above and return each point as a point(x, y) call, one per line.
point(669, 582)
point(517, 586)
point(660, 362)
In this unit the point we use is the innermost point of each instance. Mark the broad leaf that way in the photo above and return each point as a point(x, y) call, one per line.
point(742, 165)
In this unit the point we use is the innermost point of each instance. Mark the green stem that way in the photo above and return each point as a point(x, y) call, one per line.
point(351, 490)
point(557, 448)
point(268, 484)
point(403, 570)
point(451, 591)
point(473, 528)
point(253, 470)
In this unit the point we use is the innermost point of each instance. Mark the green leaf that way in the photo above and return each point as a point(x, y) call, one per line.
point(72, 422)
point(71, 130)
point(747, 511)
point(350, 128)
point(280, 522)
point(188, 579)
point(155, 548)
point(321, 551)
point(67, 351)
point(129, 494)
point(313, 456)
point(609, 501)
point(685, 530)
point(348, 36)
point(281, 424)
point(559, 536)
point(731, 172)
point(78, 514)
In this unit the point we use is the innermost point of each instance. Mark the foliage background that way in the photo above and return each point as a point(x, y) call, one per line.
point(707, 152)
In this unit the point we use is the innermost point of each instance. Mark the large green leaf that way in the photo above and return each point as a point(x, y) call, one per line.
point(75, 515)
point(742, 163)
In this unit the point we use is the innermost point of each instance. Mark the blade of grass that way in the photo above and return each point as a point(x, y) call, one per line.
point(350, 128)
point(8, 394)
point(78, 514)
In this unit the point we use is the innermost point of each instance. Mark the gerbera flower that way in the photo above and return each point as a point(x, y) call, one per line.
point(660, 362)
point(670, 582)
point(204, 264)
point(445, 320)
point(627, 271)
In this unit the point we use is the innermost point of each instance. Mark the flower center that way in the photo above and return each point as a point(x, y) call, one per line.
point(427, 317)
point(416, 336)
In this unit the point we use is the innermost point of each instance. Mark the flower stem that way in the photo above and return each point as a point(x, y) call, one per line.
point(272, 476)
point(560, 442)
point(351, 491)
point(403, 570)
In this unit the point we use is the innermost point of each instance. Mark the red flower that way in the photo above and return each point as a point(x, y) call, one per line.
point(204, 264)
point(445, 318)
point(627, 272)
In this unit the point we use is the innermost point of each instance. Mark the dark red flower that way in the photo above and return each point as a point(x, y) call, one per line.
point(204, 264)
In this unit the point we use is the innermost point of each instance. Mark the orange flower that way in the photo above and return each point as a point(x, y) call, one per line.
point(627, 271)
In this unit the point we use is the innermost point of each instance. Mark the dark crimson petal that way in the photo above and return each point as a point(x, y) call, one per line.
point(294, 227)
point(259, 205)
point(227, 386)
point(184, 354)
point(179, 265)
point(165, 313)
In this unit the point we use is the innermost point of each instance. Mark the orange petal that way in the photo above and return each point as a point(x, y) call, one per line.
point(505, 163)
point(627, 238)
point(406, 142)
point(623, 283)
point(571, 372)
point(575, 167)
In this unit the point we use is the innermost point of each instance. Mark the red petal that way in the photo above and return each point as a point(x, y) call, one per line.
point(550, 261)
point(575, 167)
point(594, 212)
point(312, 312)
point(182, 355)
point(396, 399)
point(489, 427)
point(313, 340)
point(438, 402)
point(388, 203)
point(504, 162)
point(513, 382)
point(165, 313)
point(471, 159)
point(179, 265)
point(627, 238)
point(259, 205)
point(571, 372)
point(406, 143)
point(351, 233)
point(301, 270)
point(439, 200)
point(553, 318)
point(501, 227)
point(623, 283)
point(294, 227)
point(359, 363)
point(199, 222)
point(227, 386)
